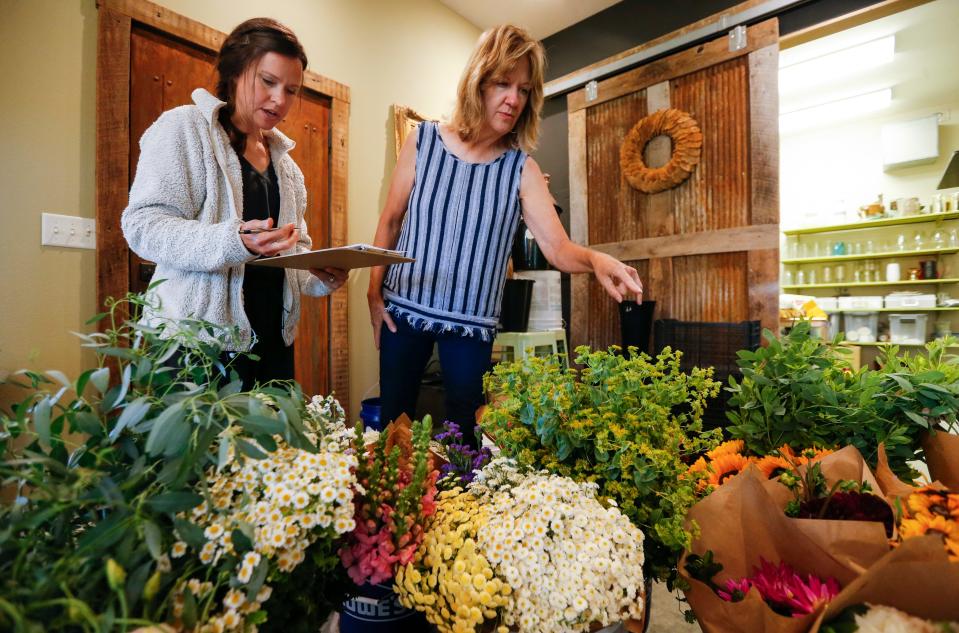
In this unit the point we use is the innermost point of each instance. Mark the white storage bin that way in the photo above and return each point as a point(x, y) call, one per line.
point(828, 304)
point(860, 303)
point(861, 327)
point(834, 324)
point(902, 300)
point(908, 328)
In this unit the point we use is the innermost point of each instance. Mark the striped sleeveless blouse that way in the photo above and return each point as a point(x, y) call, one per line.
point(459, 225)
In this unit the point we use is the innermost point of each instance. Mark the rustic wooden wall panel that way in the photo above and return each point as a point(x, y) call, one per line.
point(616, 210)
point(708, 254)
point(709, 288)
point(716, 195)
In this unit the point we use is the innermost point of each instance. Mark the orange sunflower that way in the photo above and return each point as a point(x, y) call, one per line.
point(934, 503)
point(726, 448)
point(725, 467)
point(924, 524)
point(810, 455)
point(773, 466)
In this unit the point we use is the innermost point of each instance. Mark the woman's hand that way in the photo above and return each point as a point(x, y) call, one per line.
point(332, 277)
point(271, 242)
point(379, 316)
point(619, 280)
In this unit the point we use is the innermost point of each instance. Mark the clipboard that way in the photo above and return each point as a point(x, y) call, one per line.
point(345, 257)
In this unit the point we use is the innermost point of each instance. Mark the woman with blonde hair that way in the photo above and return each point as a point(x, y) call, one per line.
point(454, 203)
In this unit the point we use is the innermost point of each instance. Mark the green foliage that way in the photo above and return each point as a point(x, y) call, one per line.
point(103, 463)
point(800, 391)
point(629, 423)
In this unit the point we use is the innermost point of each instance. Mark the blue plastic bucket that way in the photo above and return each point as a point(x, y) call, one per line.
point(377, 609)
point(370, 414)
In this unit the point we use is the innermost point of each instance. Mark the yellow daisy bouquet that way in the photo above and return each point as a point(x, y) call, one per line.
point(525, 549)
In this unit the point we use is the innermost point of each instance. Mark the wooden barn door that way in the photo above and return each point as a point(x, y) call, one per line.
point(151, 62)
point(707, 250)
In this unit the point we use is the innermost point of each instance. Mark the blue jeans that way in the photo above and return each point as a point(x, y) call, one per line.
point(403, 358)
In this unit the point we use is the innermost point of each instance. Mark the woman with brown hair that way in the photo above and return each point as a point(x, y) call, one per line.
point(453, 205)
point(216, 188)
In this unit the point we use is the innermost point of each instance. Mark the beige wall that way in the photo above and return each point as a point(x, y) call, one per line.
point(408, 52)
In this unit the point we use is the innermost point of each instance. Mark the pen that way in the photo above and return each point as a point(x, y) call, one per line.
point(255, 231)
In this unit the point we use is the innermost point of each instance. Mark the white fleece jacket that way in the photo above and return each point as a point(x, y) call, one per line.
point(185, 210)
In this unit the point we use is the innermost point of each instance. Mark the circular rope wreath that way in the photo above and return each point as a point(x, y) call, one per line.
point(687, 146)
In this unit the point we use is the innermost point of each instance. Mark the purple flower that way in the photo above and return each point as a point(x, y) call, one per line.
point(463, 459)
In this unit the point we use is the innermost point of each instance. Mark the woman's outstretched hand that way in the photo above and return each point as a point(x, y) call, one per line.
point(619, 280)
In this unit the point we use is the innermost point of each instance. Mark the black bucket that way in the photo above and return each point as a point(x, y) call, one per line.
point(517, 297)
point(636, 324)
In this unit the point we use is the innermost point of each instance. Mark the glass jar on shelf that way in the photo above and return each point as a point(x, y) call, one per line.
point(801, 277)
point(827, 274)
point(811, 277)
point(918, 241)
point(840, 273)
point(787, 277)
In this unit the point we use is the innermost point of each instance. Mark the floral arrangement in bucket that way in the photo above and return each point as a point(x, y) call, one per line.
point(930, 511)
point(110, 467)
point(462, 460)
point(527, 549)
point(398, 484)
point(730, 459)
point(782, 588)
point(628, 423)
point(873, 618)
point(264, 515)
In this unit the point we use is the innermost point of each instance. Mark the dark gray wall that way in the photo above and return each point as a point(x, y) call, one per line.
point(620, 27)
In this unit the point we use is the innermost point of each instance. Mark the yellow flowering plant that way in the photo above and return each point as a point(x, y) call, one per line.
point(626, 422)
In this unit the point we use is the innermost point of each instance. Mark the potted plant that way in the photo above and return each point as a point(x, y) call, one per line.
point(628, 423)
point(128, 485)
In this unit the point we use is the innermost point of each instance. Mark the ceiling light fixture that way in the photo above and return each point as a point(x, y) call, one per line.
point(832, 111)
point(837, 64)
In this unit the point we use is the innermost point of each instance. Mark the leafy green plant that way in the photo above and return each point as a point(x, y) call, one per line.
point(629, 423)
point(800, 391)
point(102, 465)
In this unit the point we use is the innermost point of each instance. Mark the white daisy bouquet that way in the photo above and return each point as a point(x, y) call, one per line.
point(526, 549)
point(262, 517)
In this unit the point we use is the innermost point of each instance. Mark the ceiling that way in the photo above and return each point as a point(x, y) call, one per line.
point(541, 18)
point(922, 74)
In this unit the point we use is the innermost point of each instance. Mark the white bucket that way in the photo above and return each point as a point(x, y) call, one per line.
point(546, 307)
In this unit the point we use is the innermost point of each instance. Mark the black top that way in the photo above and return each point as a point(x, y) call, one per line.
point(262, 286)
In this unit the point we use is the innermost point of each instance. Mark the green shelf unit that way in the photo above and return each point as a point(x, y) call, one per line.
point(902, 310)
point(864, 284)
point(875, 224)
point(863, 257)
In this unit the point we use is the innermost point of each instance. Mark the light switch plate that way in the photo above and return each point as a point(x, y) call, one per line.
point(68, 230)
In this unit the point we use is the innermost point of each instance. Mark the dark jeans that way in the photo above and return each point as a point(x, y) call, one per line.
point(403, 358)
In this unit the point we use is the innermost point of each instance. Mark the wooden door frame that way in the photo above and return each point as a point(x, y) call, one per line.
point(115, 22)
